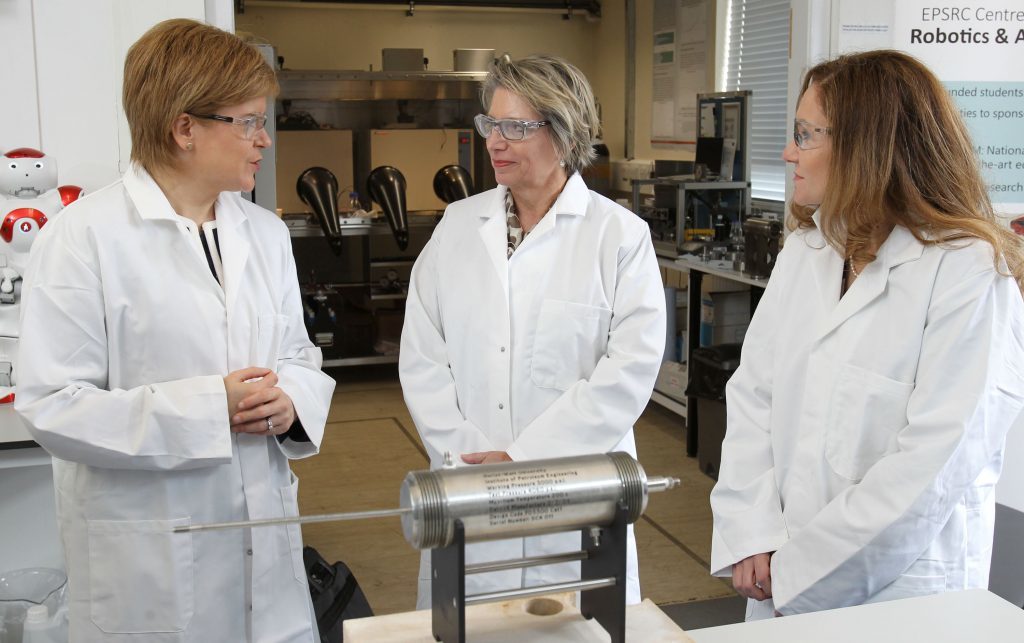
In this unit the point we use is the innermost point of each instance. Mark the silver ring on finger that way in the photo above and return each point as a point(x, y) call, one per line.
point(270, 424)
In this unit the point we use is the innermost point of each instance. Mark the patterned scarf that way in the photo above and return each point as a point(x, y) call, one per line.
point(515, 228)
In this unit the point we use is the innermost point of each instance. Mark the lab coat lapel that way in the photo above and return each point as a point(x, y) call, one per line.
point(494, 235)
point(572, 200)
point(234, 246)
point(899, 248)
point(152, 205)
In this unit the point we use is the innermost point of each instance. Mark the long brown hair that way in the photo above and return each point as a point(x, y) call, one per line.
point(901, 155)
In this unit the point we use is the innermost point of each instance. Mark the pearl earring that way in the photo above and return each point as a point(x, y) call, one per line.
point(561, 164)
point(188, 146)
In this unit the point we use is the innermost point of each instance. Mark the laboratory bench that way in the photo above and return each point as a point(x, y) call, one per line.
point(950, 617)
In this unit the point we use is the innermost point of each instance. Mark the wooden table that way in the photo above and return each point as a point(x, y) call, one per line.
point(512, 622)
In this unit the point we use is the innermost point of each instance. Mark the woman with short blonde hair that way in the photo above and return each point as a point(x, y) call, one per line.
point(561, 94)
point(535, 322)
point(167, 366)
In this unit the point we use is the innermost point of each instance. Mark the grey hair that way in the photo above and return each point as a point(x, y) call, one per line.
point(560, 93)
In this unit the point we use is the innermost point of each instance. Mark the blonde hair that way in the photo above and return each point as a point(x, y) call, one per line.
point(560, 93)
point(185, 66)
point(901, 155)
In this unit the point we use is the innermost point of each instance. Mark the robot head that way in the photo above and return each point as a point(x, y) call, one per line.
point(27, 173)
point(20, 227)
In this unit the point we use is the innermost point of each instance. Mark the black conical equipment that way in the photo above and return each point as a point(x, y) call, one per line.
point(318, 188)
point(386, 186)
point(452, 183)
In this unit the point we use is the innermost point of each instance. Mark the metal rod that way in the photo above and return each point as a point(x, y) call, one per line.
point(352, 515)
point(537, 561)
point(661, 484)
point(540, 590)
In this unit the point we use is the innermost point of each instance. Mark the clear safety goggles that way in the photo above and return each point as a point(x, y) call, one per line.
point(250, 124)
point(510, 128)
point(808, 136)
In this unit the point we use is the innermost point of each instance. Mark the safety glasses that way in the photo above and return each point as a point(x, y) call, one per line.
point(808, 136)
point(510, 128)
point(250, 124)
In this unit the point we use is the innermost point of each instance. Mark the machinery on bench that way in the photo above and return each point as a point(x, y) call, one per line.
point(444, 509)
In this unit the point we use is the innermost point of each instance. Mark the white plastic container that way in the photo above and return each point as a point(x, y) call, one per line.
point(40, 627)
point(24, 589)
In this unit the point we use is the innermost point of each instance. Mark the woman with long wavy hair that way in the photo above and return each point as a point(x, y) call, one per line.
point(885, 363)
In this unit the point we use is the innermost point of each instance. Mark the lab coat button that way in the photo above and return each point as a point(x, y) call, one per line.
point(248, 552)
point(502, 349)
point(500, 405)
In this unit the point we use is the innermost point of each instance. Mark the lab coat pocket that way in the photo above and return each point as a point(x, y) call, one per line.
point(140, 576)
point(267, 345)
point(866, 412)
point(290, 506)
point(568, 341)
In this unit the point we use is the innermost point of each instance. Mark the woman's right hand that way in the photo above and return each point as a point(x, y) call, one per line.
point(244, 382)
point(752, 577)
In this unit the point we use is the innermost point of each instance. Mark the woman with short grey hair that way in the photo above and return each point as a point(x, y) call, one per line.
point(535, 320)
point(560, 93)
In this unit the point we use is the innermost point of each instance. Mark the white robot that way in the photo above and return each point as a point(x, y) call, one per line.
point(29, 197)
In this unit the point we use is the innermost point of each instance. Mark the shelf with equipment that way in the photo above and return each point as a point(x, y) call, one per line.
point(705, 207)
point(696, 270)
point(354, 299)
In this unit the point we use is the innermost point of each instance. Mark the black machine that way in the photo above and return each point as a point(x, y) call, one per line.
point(761, 245)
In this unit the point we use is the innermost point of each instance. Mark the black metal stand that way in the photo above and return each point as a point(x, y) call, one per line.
point(448, 589)
point(605, 558)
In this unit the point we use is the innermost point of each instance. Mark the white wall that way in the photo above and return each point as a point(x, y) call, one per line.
point(68, 57)
point(644, 78)
point(809, 44)
point(61, 79)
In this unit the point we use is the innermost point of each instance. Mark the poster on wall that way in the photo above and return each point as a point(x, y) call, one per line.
point(679, 69)
point(975, 48)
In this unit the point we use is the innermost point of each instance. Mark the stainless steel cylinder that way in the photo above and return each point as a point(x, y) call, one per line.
point(517, 499)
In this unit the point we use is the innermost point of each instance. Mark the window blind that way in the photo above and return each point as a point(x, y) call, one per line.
point(757, 58)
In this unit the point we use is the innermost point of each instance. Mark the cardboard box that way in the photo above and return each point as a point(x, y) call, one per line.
point(731, 308)
point(402, 59)
point(724, 317)
point(728, 334)
point(672, 381)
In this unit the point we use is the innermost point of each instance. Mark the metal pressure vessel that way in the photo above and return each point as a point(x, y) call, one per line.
point(515, 499)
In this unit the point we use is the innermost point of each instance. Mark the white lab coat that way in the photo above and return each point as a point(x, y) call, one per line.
point(865, 434)
point(126, 339)
point(551, 353)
